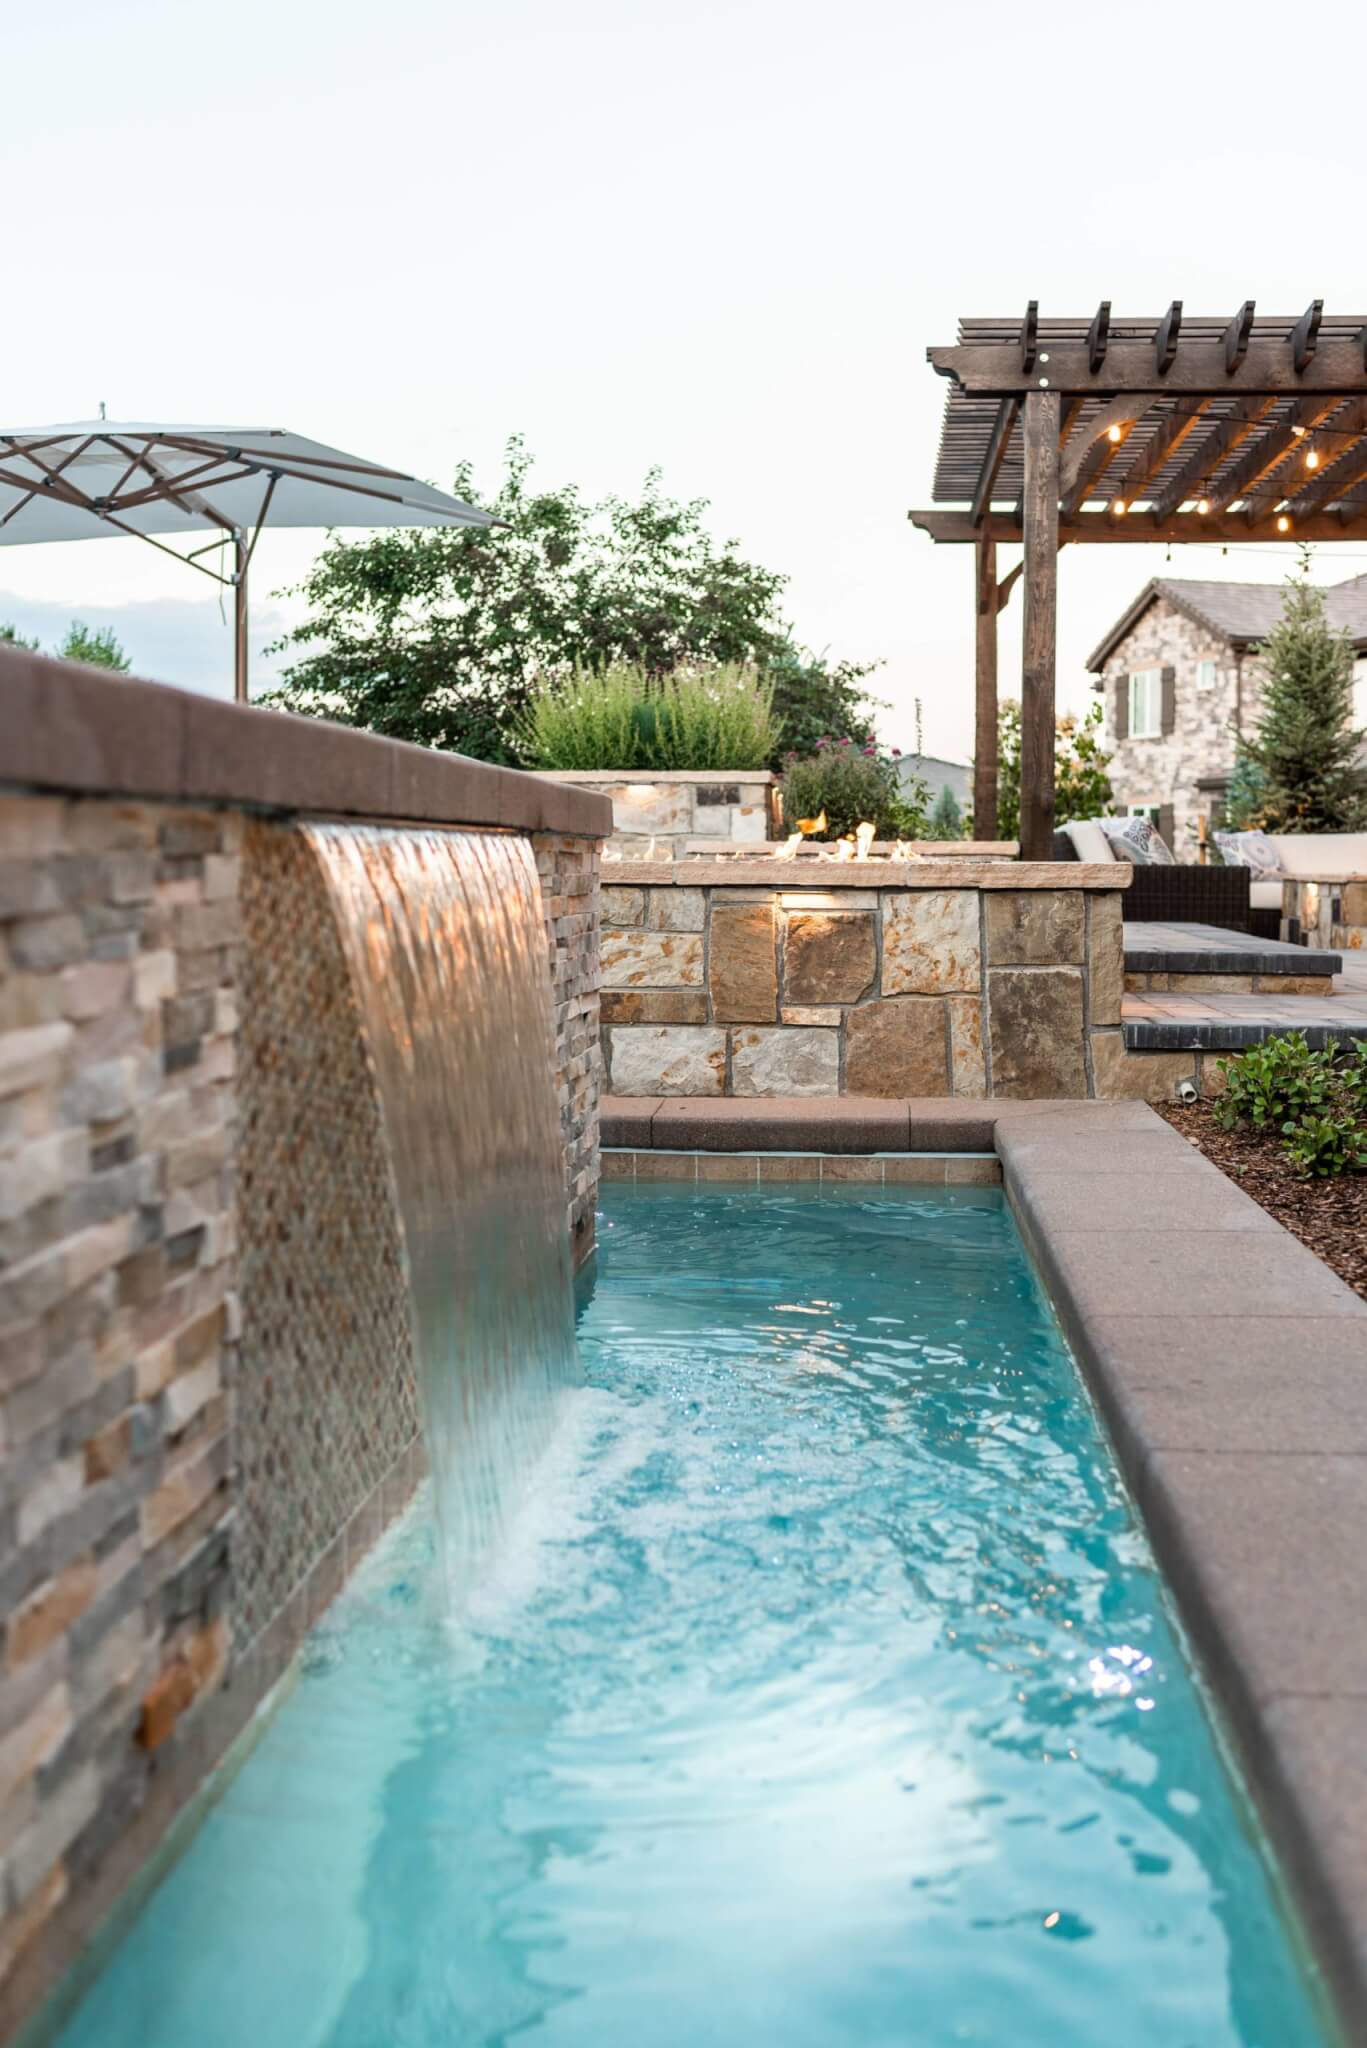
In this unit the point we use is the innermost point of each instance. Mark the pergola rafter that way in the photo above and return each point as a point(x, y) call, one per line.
point(1101, 429)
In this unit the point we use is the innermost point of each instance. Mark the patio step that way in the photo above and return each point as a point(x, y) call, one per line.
point(1195, 959)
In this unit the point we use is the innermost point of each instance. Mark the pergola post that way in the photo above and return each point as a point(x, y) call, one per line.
point(1040, 629)
point(985, 694)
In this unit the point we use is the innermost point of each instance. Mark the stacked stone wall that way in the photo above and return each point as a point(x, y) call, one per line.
point(672, 809)
point(118, 1324)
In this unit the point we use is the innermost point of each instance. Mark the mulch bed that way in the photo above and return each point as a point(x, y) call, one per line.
point(1330, 1216)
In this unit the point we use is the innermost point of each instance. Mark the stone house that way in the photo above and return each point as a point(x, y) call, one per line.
point(1180, 677)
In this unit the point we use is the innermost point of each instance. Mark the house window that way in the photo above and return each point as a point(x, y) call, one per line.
point(1205, 675)
point(1146, 704)
point(1149, 811)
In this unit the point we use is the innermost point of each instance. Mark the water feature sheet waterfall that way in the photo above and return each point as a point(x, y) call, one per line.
point(445, 939)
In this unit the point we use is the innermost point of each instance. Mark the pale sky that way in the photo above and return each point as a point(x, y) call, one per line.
point(714, 237)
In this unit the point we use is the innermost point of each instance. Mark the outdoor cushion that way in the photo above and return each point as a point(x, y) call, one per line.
point(1135, 840)
point(1251, 850)
point(1321, 853)
point(1089, 841)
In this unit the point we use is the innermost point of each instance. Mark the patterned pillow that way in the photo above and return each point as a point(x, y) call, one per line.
point(1251, 850)
point(1136, 840)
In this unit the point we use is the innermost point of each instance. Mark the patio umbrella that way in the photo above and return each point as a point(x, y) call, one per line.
point(100, 479)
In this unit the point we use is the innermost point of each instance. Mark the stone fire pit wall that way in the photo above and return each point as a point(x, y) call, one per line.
point(207, 1409)
point(757, 978)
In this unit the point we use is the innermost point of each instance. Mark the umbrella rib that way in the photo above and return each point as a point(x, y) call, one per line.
point(151, 493)
point(196, 445)
point(193, 501)
point(261, 518)
point(31, 491)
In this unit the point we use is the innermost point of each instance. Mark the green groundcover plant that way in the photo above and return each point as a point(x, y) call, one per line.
point(708, 715)
point(1315, 1101)
point(851, 784)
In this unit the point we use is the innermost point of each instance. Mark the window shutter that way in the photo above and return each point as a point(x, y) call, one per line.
point(1167, 826)
point(1169, 701)
point(1122, 707)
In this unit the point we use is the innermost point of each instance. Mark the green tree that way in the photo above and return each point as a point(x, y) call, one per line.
point(98, 648)
point(947, 819)
point(10, 636)
point(1305, 744)
point(815, 698)
point(1082, 787)
point(440, 635)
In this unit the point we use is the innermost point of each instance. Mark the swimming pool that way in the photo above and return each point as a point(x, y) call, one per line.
point(822, 1694)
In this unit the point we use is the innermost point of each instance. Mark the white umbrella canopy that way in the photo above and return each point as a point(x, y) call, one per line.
point(102, 479)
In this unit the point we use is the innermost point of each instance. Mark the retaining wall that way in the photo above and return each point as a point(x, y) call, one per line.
point(881, 978)
point(198, 1440)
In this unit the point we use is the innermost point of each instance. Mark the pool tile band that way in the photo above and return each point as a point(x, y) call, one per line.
point(843, 1169)
point(1230, 1365)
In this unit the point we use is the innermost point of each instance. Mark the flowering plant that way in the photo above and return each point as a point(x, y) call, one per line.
point(852, 784)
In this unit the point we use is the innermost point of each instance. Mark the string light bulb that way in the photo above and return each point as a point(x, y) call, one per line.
point(1203, 506)
point(1312, 458)
point(1283, 524)
point(1119, 508)
point(1112, 433)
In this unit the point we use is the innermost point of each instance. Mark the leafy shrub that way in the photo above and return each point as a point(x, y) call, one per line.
point(620, 718)
point(1317, 1101)
point(852, 784)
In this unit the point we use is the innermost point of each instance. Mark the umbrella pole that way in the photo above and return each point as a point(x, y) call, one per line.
point(240, 556)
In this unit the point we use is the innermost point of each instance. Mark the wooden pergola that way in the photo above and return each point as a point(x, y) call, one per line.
point(1114, 431)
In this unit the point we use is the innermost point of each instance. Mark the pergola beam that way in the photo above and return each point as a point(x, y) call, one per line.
point(1342, 475)
point(948, 526)
point(1269, 450)
point(996, 452)
point(1237, 336)
point(1219, 444)
point(990, 369)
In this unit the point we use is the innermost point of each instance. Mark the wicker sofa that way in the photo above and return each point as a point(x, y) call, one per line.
point(1188, 895)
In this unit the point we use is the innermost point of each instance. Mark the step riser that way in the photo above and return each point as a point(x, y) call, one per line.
point(1229, 984)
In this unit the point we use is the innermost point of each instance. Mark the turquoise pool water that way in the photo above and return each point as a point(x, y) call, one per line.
point(822, 1696)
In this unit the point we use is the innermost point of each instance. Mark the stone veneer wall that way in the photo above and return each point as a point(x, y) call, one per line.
point(206, 1408)
point(119, 1322)
point(675, 806)
point(972, 980)
point(1167, 771)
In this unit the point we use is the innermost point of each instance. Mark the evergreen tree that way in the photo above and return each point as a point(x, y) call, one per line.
point(946, 820)
point(1305, 744)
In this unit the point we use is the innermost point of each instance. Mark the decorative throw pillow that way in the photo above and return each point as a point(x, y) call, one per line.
point(1136, 840)
point(1251, 850)
point(1089, 841)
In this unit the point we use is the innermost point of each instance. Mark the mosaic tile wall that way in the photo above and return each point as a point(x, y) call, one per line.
point(327, 1402)
point(569, 872)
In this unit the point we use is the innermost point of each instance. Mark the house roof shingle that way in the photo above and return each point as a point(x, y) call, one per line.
point(1242, 613)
